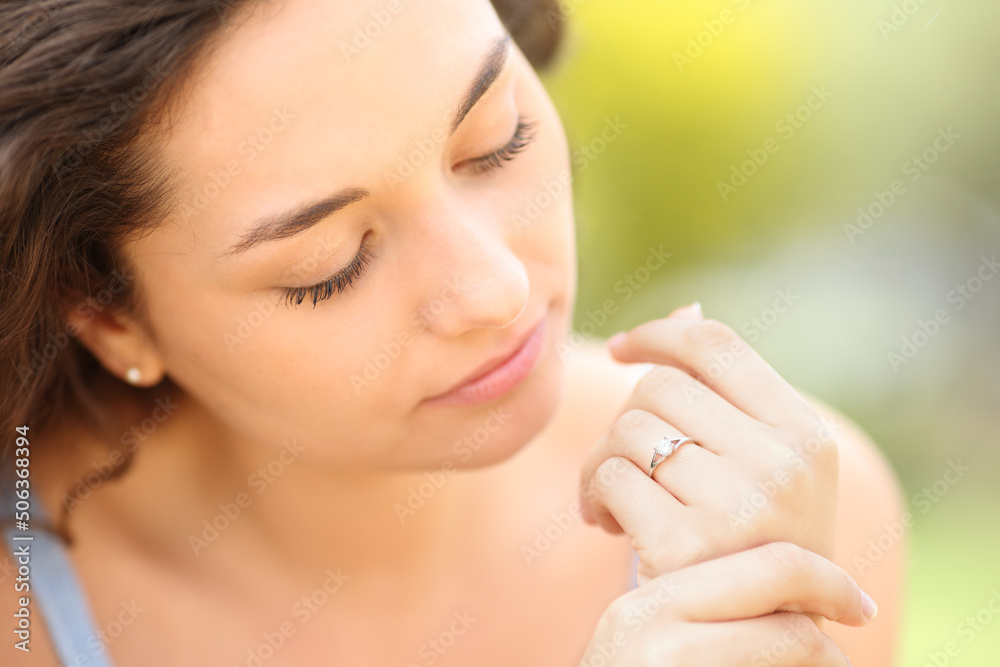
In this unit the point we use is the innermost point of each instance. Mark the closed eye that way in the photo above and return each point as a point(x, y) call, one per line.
point(523, 136)
point(337, 283)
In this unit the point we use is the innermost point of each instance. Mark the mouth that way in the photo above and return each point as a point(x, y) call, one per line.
point(498, 375)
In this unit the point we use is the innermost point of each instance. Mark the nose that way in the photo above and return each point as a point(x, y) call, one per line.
point(476, 279)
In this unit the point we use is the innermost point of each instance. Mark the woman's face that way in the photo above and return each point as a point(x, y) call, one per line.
point(387, 113)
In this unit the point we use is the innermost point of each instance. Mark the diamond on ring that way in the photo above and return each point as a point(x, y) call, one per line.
point(664, 448)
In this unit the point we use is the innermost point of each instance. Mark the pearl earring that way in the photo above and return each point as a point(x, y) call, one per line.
point(133, 375)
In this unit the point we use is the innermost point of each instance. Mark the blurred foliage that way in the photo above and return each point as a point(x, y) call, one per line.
point(897, 74)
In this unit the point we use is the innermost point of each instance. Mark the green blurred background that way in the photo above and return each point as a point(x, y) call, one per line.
point(894, 76)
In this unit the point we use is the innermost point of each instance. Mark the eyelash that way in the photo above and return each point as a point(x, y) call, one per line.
point(523, 136)
point(340, 282)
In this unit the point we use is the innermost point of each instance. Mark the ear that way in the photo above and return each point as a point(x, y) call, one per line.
point(119, 342)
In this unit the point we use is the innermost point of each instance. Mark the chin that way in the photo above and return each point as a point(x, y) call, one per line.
point(493, 432)
point(526, 412)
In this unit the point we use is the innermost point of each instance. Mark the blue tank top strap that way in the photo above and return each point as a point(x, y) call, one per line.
point(634, 574)
point(55, 593)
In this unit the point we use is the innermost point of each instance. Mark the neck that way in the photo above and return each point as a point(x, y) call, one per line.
point(199, 496)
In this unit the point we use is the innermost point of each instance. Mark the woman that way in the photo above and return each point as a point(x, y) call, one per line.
point(312, 401)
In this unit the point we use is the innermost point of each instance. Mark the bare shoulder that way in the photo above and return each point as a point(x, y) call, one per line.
point(871, 538)
point(41, 653)
point(593, 360)
point(597, 385)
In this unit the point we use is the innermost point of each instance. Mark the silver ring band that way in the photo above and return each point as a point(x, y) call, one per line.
point(664, 448)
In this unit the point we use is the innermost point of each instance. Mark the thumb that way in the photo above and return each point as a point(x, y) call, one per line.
point(618, 344)
point(691, 312)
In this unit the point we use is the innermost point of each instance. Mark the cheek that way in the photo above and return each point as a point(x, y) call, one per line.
point(272, 374)
point(262, 348)
point(541, 213)
point(250, 358)
point(543, 204)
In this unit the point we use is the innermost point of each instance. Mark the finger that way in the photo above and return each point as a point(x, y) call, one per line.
point(691, 474)
point(778, 640)
point(786, 639)
point(790, 640)
point(665, 534)
point(622, 498)
point(696, 410)
point(775, 577)
point(720, 359)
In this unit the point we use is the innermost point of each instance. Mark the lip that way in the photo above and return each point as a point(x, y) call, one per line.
point(498, 375)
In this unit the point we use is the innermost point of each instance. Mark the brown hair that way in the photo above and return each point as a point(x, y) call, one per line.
point(82, 83)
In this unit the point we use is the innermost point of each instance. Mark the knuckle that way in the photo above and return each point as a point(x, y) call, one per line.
point(634, 611)
point(807, 427)
point(712, 334)
point(807, 634)
point(661, 379)
point(618, 612)
point(816, 443)
point(782, 479)
point(608, 472)
point(673, 548)
point(652, 641)
point(667, 649)
point(658, 563)
point(785, 558)
point(827, 457)
point(627, 427)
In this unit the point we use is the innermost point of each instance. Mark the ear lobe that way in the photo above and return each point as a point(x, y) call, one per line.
point(118, 341)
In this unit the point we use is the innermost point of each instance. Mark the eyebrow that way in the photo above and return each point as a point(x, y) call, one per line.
point(488, 73)
point(298, 220)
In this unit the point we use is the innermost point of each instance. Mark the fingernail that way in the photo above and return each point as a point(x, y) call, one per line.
point(849, 661)
point(617, 339)
point(692, 312)
point(868, 607)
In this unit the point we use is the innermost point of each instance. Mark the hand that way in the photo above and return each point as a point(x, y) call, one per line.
point(765, 471)
point(745, 609)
